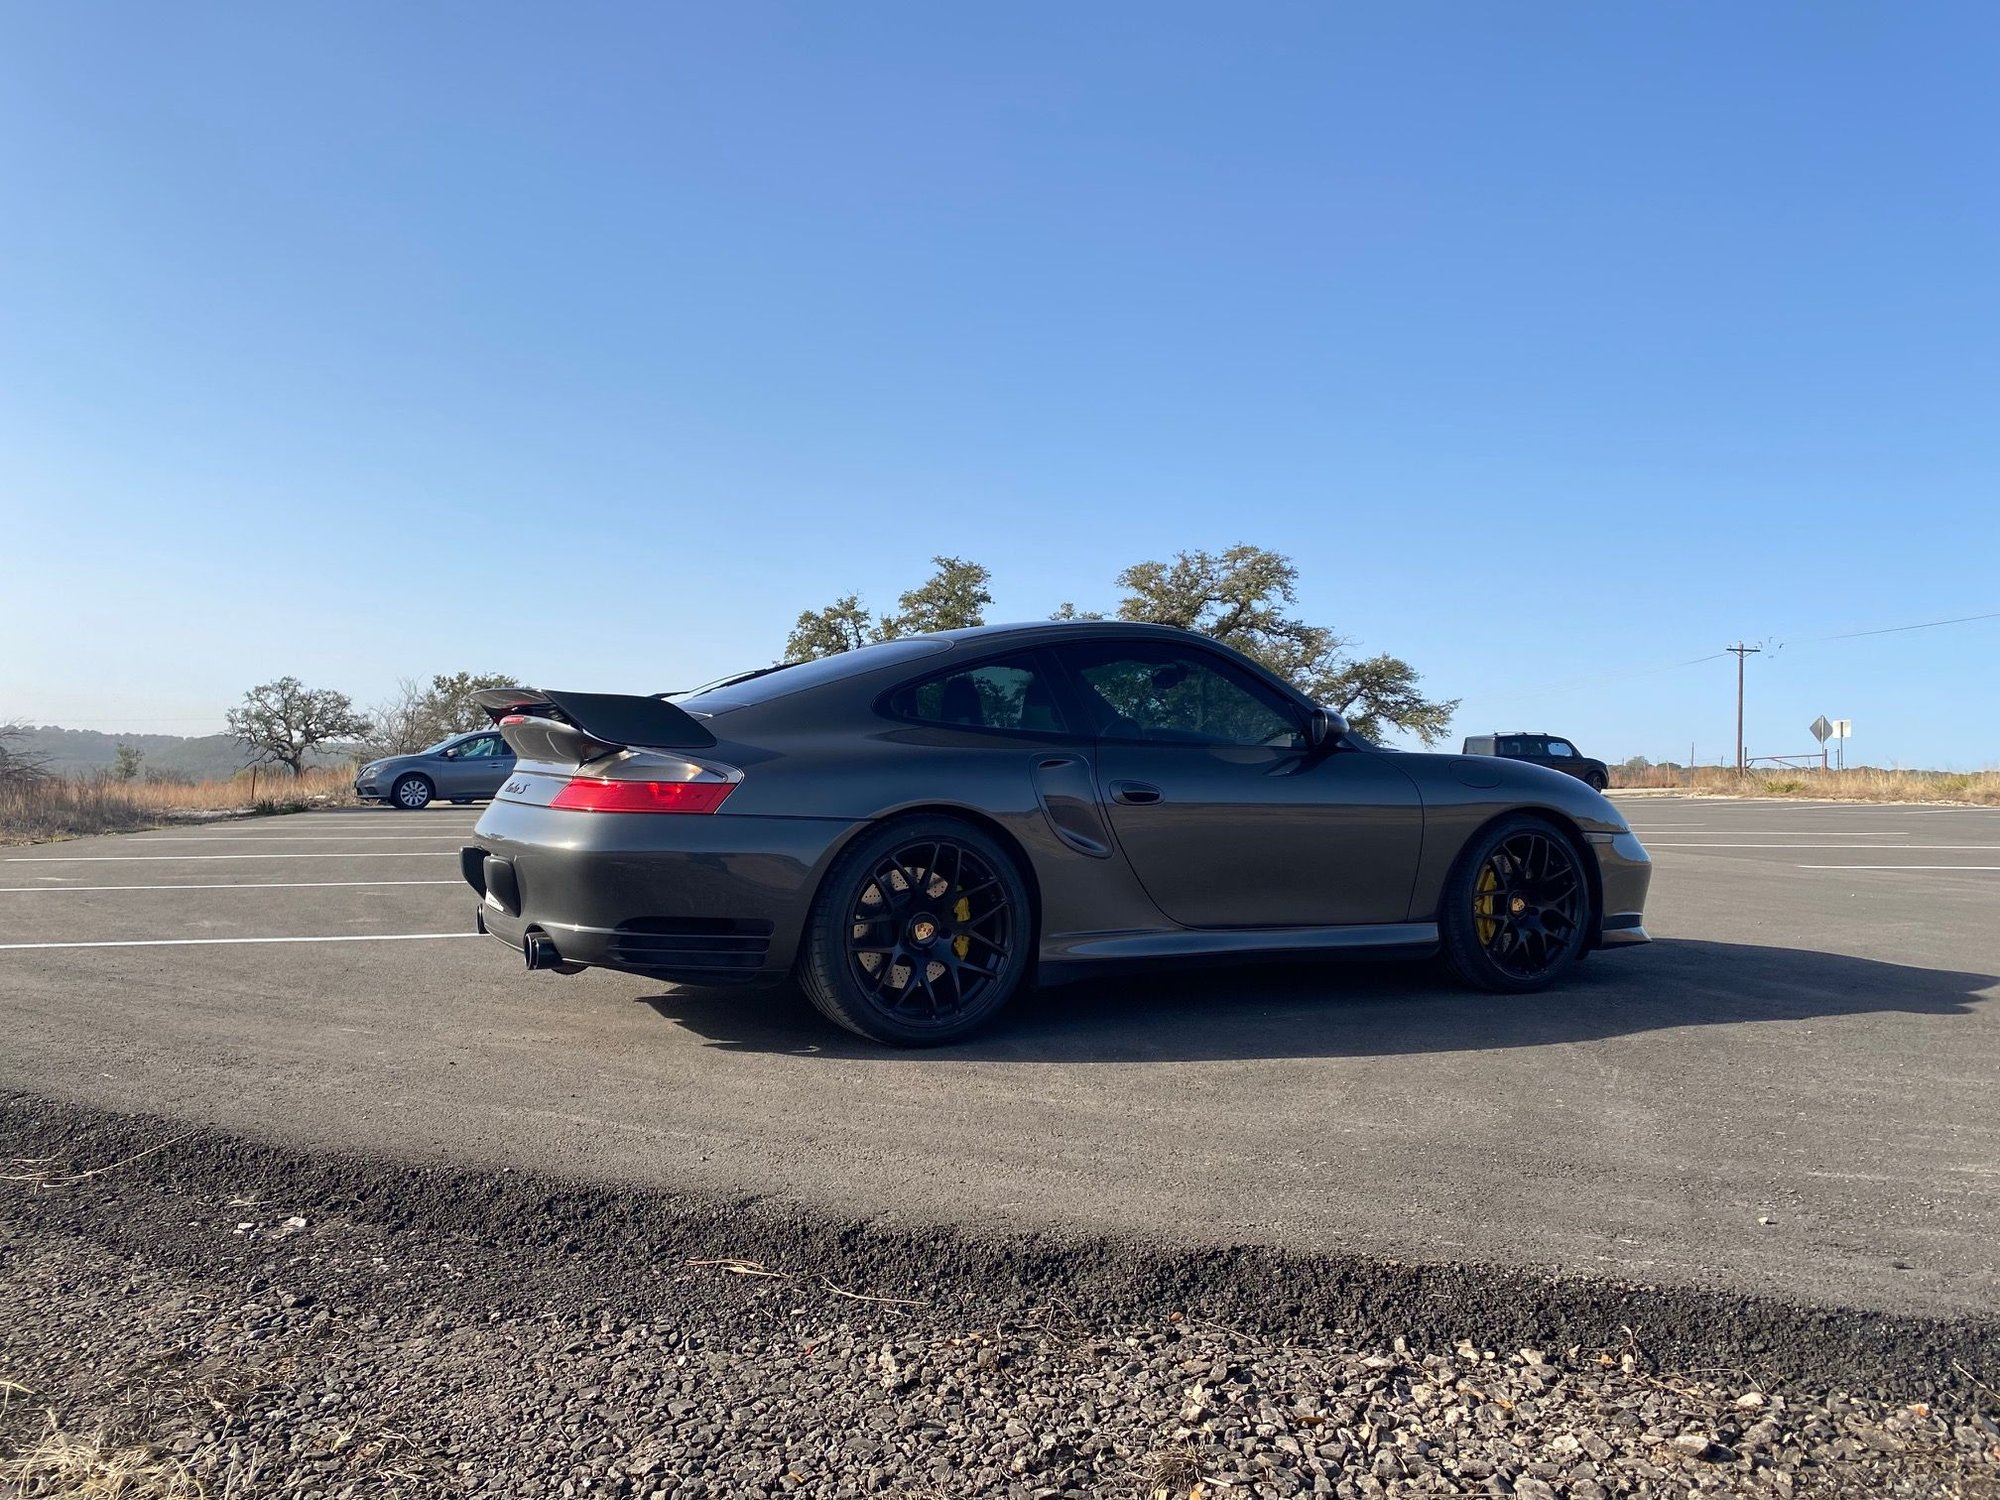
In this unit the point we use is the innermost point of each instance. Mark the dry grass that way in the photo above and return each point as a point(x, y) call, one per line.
point(57, 808)
point(95, 1467)
point(1863, 784)
point(66, 1465)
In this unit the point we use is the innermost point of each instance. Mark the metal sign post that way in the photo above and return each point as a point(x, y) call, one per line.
point(1842, 729)
point(1820, 729)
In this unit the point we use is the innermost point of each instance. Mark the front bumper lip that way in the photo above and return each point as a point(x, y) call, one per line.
point(1624, 874)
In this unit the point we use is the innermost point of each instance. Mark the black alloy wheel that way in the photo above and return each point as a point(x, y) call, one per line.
point(1595, 780)
point(920, 933)
point(1516, 907)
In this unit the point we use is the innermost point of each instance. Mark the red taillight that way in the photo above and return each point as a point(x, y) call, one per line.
point(589, 794)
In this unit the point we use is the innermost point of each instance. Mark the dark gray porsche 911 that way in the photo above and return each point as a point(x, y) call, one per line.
point(915, 829)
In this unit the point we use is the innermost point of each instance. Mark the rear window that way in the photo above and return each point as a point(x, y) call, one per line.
point(1010, 693)
point(810, 674)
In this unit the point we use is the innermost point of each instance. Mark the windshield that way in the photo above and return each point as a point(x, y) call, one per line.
point(450, 739)
point(774, 682)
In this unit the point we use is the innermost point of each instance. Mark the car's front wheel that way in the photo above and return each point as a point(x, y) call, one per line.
point(1595, 780)
point(412, 793)
point(1515, 907)
point(921, 932)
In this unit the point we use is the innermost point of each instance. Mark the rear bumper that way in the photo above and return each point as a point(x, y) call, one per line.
point(688, 898)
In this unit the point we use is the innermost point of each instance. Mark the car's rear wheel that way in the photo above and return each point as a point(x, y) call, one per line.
point(921, 932)
point(412, 793)
point(1515, 907)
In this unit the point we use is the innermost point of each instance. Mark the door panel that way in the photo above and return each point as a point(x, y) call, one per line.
point(1063, 786)
point(1250, 836)
point(444, 775)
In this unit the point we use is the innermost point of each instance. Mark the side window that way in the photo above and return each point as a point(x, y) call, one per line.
point(1011, 693)
point(1170, 694)
point(483, 748)
point(1560, 749)
point(1514, 747)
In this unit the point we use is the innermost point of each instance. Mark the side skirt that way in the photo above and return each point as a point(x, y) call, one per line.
point(1077, 954)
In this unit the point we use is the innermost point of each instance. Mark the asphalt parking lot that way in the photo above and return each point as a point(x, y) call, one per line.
point(1791, 1091)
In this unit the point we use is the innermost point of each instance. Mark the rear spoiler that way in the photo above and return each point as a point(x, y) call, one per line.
point(543, 724)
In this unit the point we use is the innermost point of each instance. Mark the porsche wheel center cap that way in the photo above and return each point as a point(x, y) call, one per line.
point(923, 930)
point(1518, 905)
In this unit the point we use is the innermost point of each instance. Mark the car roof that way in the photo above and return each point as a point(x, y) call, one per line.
point(767, 690)
point(1039, 630)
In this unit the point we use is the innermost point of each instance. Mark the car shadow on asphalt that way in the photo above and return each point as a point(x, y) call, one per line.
point(1364, 1010)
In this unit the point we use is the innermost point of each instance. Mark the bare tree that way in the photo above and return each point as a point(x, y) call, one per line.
point(283, 722)
point(19, 766)
point(422, 714)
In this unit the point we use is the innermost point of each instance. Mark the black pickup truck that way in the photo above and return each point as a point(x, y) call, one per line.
point(1543, 750)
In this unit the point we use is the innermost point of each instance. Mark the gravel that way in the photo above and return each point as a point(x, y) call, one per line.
point(219, 1313)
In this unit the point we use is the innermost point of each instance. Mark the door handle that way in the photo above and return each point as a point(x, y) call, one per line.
point(1135, 793)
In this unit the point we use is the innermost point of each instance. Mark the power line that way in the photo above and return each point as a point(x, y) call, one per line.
point(1898, 629)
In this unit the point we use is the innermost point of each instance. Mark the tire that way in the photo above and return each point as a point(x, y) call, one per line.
point(1516, 907)
point(1595, 780)
point(887, 902)
point(411, 793)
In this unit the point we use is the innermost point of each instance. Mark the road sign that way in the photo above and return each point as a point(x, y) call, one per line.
point(1821, 729)
point(1843, 729)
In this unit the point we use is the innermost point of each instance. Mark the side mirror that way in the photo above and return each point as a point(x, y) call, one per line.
point(451, 754)
point(1325, 726)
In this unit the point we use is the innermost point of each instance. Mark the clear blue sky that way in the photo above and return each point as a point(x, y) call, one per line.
point(1557, 343)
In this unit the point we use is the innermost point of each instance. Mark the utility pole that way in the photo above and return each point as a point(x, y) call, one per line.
point(1739, 650)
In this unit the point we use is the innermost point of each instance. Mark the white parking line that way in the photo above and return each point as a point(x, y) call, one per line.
point(99, 859)
point(281, 838)
point(1784, 833)
point(1899, 867)
point(1820, 848)
point(365, 937)
point(245, 885)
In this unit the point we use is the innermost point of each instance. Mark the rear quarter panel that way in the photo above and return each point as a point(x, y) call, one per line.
point(866, 775)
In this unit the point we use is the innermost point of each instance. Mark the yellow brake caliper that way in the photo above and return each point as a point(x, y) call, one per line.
point(1482, 905)
point(962, 945)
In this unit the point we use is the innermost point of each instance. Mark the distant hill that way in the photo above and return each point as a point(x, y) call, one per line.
point(73, 752)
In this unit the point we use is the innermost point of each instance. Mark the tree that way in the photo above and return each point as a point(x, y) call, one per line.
point(1068, 611)
point(19, 768)
point(126, 768)
point(283, 722)
point(841, 626)
point(1382, 690)
point(1240, 597)
point(420, 715)
point(953, 597)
